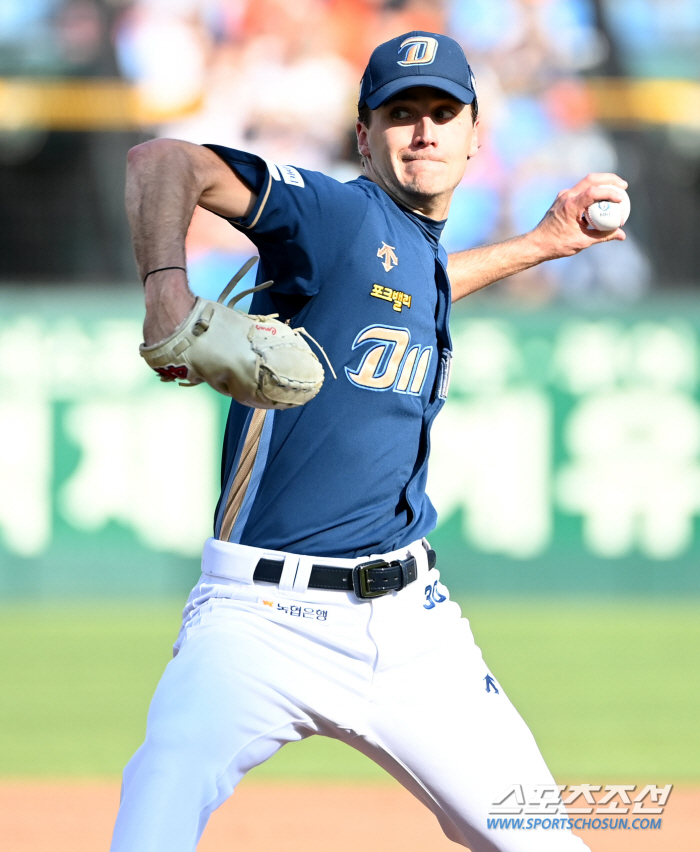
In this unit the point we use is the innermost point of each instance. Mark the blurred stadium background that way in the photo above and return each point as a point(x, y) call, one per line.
point(566, 466)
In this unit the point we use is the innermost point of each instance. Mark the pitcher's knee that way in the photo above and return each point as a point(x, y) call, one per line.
point(178, 746)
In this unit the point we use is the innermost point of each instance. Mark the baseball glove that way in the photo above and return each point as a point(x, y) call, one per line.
point(257, 360)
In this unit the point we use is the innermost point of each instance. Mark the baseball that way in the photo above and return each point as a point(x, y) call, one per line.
point(608, 215)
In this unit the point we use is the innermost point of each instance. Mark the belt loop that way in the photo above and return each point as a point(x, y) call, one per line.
point(409, 569)
point(429, 554)
point(289, 572)
point(301, 582)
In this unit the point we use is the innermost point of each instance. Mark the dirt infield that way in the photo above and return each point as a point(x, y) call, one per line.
point(72, 817)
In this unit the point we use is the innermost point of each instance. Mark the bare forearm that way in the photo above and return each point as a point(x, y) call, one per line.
point(162, 190)
point(561, 233)
point(476, 268)
point(166, 179)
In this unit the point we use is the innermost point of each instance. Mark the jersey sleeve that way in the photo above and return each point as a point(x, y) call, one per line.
point(296, 220)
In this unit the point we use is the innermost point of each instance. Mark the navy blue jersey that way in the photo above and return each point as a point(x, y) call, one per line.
point(343, 475)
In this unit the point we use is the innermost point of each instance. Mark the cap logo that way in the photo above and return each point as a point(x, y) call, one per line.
point(421, 50)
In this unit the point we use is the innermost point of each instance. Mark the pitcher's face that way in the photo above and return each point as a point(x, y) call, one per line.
point(417, 146)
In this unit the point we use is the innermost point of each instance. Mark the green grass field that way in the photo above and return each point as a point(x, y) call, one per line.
point(610, 690)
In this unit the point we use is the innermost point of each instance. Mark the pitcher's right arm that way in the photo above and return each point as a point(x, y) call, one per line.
point(166, 179)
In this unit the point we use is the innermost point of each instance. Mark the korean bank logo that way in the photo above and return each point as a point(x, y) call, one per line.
point(421, 50)
point(580, 806)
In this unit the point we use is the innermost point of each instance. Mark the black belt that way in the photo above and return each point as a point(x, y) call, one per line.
point(368, 579)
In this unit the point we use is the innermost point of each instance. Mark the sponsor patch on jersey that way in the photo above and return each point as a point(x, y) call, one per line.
point(400, 300)
point(388, 255)
point(286, 173)
point(291, 176)
point(274, 171)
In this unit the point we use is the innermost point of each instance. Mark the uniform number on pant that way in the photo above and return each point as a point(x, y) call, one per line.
point(432, 596)
point(390, 363)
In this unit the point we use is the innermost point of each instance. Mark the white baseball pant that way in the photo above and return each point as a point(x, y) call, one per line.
point(397, 677)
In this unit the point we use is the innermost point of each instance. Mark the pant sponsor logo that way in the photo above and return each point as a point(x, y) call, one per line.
point(433, 596)
point(491, 684)
point(295, 610)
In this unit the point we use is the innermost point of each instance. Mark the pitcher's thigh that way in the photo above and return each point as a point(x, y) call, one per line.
point(220, 692)
point(215, 715)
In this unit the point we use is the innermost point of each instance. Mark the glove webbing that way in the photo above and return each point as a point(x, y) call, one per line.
point(249, 264)
point(202, 323)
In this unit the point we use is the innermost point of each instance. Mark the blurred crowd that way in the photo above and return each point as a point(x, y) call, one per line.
point(280, 78)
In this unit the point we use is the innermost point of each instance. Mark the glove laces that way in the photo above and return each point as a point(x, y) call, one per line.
point(248, 265)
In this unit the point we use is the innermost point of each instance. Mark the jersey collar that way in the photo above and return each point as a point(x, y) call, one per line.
point(431, 228)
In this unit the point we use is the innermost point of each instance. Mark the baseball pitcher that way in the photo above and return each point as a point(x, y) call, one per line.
point(320, 609)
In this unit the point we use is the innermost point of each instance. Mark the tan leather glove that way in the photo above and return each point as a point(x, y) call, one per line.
point(257, 360)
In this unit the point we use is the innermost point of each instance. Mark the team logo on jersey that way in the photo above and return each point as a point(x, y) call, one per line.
point(389, 362)
point(421, 50)
point(388, 255)
point(400, 300)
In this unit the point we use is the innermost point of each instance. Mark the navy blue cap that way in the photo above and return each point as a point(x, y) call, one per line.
point(416, 59)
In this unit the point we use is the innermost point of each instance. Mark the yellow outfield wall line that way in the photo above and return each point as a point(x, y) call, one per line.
point(629, 103)
point(112, 104)
point(80, 104)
